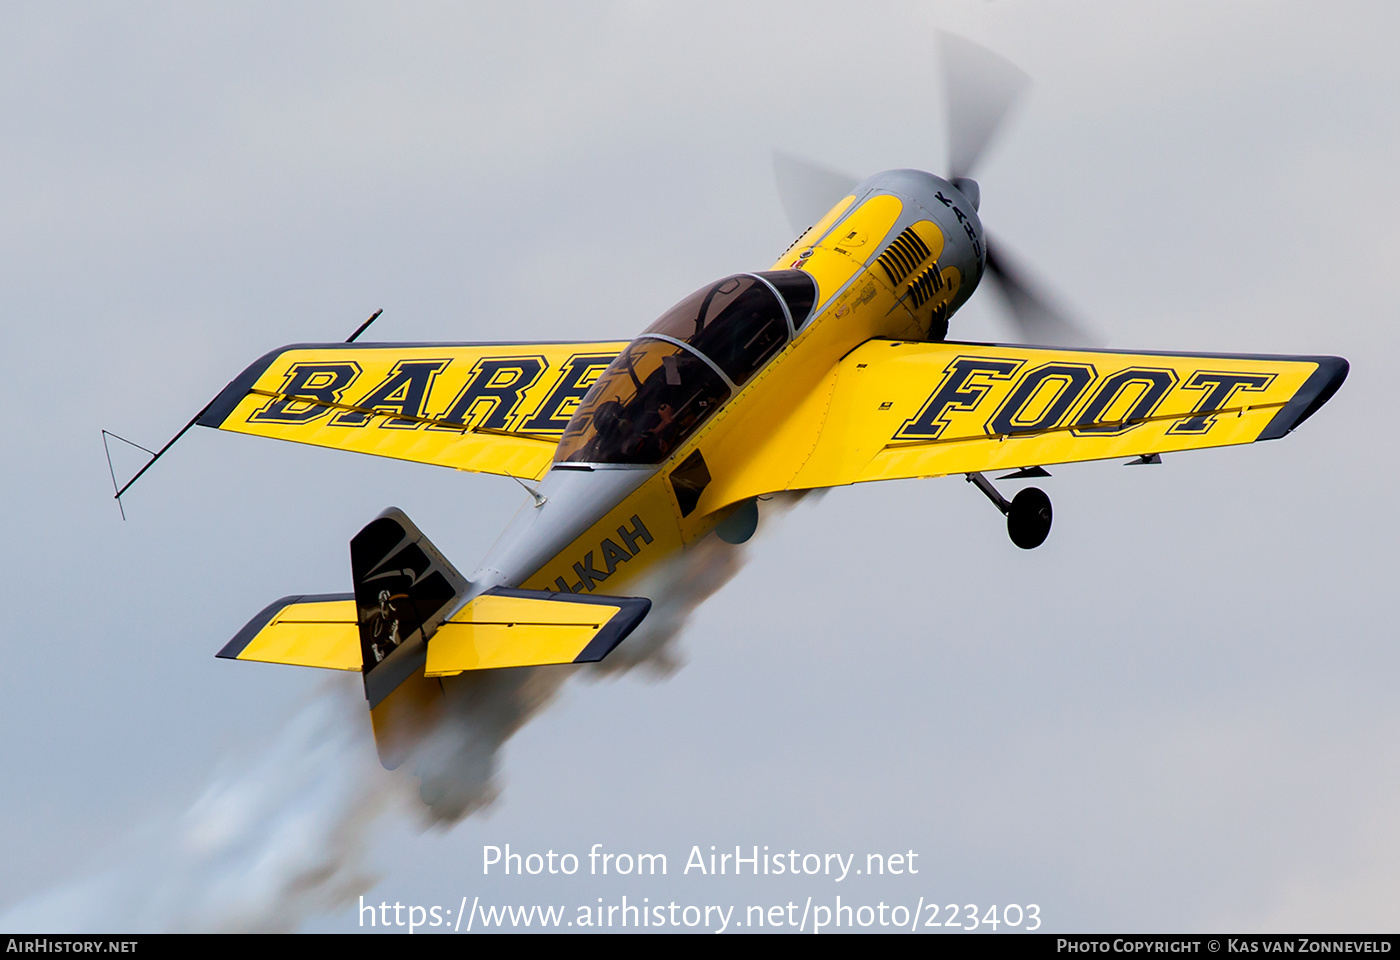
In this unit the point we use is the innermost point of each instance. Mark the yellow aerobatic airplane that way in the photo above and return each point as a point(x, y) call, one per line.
point(829, 368)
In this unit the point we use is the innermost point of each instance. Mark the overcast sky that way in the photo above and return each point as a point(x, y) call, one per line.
point(1179, 714)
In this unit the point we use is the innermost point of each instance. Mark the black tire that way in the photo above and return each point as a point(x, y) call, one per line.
point(1028, 520)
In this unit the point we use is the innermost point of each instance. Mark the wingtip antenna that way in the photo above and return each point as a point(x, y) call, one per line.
point(157, 454)
point(364, 326)
point(118, 491)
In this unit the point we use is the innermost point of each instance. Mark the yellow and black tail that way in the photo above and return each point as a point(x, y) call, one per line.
point(404, 589)
point(405, 628)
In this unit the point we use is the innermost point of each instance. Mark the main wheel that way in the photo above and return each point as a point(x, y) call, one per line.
point(1028, 520)
point(740, 525)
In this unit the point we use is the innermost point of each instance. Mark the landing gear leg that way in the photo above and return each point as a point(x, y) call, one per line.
point(1028, 516)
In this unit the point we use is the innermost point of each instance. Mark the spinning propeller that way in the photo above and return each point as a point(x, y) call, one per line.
point(981, 88)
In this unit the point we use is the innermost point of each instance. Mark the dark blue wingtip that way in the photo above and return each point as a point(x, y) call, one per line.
point(230, 396)
point(1326, 380)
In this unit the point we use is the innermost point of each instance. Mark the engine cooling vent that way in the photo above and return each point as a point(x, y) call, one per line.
point(903, 255)
point(925, 285)
point(938, 322)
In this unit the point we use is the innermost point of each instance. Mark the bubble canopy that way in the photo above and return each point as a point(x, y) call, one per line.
point(685, 366)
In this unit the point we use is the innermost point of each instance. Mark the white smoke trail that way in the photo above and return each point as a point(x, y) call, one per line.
point(457, 766)
point(266, 845)
point(284, 836)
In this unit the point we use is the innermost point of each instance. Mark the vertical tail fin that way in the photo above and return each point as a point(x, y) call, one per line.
point(404, 588)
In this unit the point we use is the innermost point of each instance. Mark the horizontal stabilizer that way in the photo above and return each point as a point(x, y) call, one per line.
point(319, 630)
point(524, 628)
point(500, 628)
point(486, 407)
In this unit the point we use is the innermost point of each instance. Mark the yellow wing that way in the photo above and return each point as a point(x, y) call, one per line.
point(894, 409)
point(490, 408)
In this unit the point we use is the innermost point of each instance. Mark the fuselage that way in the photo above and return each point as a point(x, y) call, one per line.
point(645, 466)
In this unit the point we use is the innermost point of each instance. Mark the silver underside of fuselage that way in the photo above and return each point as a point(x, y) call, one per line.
point(575, 498)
